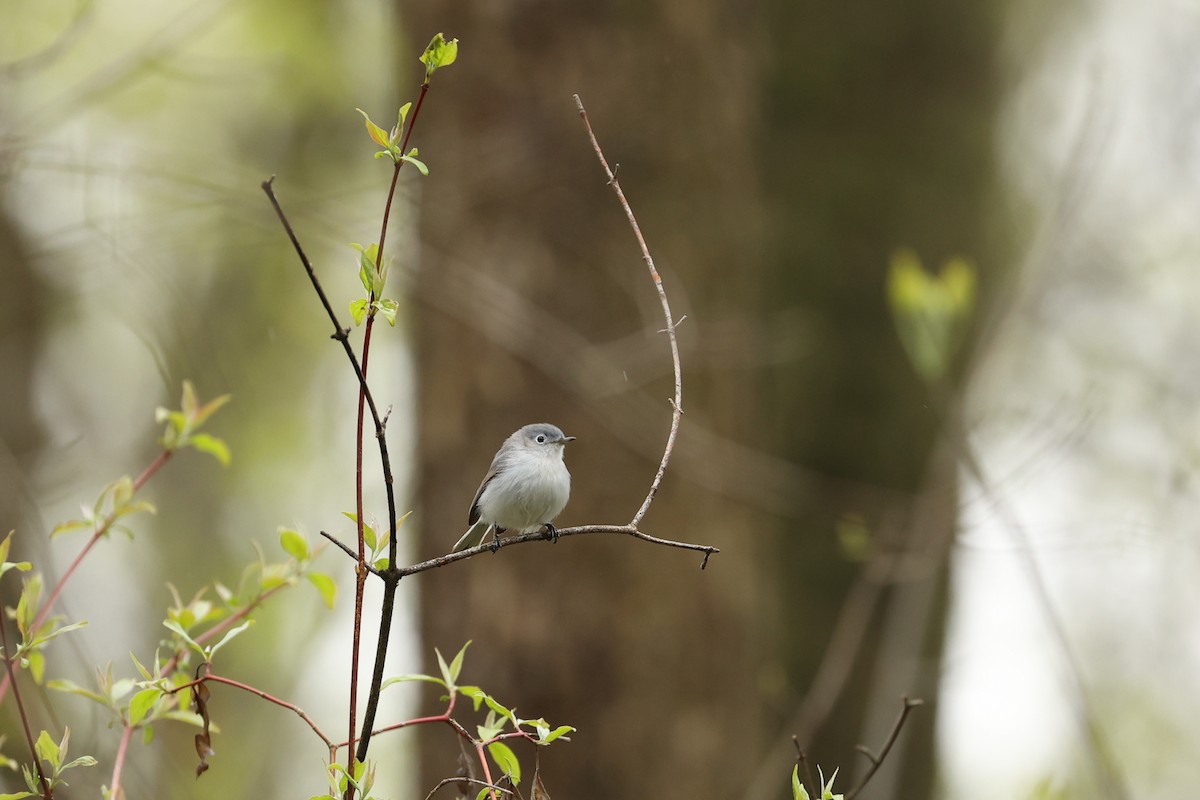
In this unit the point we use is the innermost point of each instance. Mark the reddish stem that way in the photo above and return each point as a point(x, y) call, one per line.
point(44, 611)
point(119, 761)
point(46, 793)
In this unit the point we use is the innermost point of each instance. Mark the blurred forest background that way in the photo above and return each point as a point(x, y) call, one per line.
point(876, 532)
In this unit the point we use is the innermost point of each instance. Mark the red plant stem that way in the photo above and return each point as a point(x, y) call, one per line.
point(361, 570)
point(46, 793)
point(119, 761)
point(44, 611)
point(443, 717)
point(211, 676)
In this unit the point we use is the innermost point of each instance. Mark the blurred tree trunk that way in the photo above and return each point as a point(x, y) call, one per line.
point(878, 136)
point(21, 329)
point(537, 306)
point(774, 162)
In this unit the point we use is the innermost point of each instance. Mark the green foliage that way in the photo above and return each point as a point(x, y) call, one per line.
point(800, 793)
point(439, 53)
point(930, 311)
point(391, 141)
point(376, 542)
point(373, 276)
point(54, 755)
point(183, 425)
point(340, 779)
point(500, 723)
point(115, 502)
point(36, 635)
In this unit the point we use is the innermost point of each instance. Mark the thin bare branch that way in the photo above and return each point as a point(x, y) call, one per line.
point(908, 704)
point(677, 402)
point(525, 538)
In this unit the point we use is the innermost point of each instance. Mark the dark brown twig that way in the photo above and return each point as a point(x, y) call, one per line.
point(677, 401)
point(802, 760)
point(877, 761)
point(525, 538)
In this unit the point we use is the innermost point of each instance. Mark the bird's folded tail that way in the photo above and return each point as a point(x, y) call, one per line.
point(472, 537)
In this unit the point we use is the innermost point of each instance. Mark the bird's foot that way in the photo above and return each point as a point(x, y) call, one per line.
point(495, 538)
point(552, 533)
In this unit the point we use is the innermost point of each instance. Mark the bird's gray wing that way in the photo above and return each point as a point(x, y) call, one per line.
point(473, 516)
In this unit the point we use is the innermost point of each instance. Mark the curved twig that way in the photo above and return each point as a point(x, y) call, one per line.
point(876, 761)
point(677, 401)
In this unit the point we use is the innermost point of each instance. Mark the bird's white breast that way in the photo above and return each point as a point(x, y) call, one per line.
point(527, 492)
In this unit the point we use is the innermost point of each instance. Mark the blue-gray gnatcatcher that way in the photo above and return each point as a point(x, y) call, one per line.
point(526, 487)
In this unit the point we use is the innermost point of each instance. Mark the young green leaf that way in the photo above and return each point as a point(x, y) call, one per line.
point(69, 686)
point(207, 443)
point(798, 790)
point(444, 667)
point(457, 662)
point(557, 733)
point(408, 678)
point(388, 307)
point(440, 53)
point(358, 310)
point(229, 635)
point(325, 586)
point(416, 162)
point(141, 703)
point(174, 626)
point(47, 750)
point(378, 134)
point(506, 759)
point(294, 544)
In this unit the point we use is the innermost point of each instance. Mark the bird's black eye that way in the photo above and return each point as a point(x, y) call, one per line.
point(541, 439)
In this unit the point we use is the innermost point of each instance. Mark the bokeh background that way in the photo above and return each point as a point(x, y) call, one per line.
point(1013, 545)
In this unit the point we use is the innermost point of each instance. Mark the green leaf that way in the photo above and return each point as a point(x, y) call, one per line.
point(207, 443)
point(416, 162)
point(228, 637)
point(445, 668)
point(142, 669)
point(798, 790)
point(17, 795)
point(141, 703)
point(412, 677)
point(930, 311)
point(558, 733)
point(82, 761)
point(47, 750)
point(457, 662)
point(174, 626)
point(70, 526)
point(506, 759)
point(325, 586)
point(499, 709)
point(388, 308)
point(440, 53)
point(64, 685)
point(378, 134)
point(358, 310)
point(37, 666)
point(294, 544)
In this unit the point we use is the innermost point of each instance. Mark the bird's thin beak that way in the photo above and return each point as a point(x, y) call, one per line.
point(568, 439)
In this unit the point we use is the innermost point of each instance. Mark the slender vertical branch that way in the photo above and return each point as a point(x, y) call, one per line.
point(37, 764)
point(677, 402)
point(391, 575)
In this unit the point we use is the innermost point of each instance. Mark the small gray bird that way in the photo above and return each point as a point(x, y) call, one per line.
point(525, 489)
